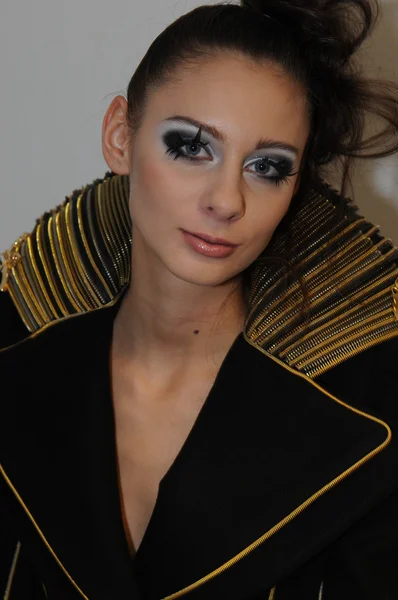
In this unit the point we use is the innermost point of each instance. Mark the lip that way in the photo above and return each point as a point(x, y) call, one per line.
point(211, 240)
point(201, 246)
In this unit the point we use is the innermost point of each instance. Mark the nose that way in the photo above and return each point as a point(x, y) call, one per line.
point(223, 199)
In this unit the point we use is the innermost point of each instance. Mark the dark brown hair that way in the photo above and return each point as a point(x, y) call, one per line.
point(314, 42)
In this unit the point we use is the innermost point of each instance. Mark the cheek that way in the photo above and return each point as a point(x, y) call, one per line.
point(151, 192)
point(265, 222)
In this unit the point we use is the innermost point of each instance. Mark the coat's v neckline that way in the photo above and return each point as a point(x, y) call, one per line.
point(267, 443)
point(135, 554)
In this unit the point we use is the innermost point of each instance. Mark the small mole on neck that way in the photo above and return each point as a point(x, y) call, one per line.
point(196, 330)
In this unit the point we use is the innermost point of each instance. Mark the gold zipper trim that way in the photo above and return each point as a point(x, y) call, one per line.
point(122, 201)
point(27, 293)
point(12, 571)
point(54, 254)
point(291, 343)
point(64, 265)
point(125, 224)
point(395, 299)
point(351, 349)
point(346, 243)
point(105, 232)
point(318, 295)
point(343, 335)
point(53, 313)
point(18, 293)
point(10, 259)
point(275, 326)
point(41, 248)
point(292, 301)
point(68, 257)
point(114, 228)
point(309, 500)
point(38, 332)
point(302, 343)
point(93, 293)
point(23, 269)
point(19, 301)
point(87, 248)
point(340, 237)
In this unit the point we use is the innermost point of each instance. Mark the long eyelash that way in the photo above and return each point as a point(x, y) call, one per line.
point(283, 178)
point(173, 148)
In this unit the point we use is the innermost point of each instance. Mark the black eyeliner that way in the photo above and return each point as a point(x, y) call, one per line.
point(174, 141)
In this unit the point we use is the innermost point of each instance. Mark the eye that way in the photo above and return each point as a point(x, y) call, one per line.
point(273, 171)
point(280, 169)
point(194, 146)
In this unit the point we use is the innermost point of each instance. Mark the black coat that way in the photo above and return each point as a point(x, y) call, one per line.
point(285, 488)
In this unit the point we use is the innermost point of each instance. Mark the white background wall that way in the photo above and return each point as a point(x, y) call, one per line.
point(63, 61)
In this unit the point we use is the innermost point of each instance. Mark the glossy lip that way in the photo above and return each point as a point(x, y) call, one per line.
point(205, 248)
point(211, 240)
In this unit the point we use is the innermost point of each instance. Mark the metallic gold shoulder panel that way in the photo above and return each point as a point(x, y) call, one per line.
point(77, 258)
point(350, 273)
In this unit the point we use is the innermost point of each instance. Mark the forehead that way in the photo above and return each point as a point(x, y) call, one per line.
point(238, 96)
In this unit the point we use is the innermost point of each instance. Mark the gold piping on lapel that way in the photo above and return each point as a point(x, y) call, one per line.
point(309, 500)
point(374, 264)
point(276, 527)
point(272, 594)
point(320, 595)
point(12, 571)
point(44, 590)
point(8, 481)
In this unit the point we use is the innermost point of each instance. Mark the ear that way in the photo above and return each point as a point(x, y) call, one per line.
point(115, 137)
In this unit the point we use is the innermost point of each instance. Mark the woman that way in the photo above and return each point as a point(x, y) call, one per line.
point(186, 415)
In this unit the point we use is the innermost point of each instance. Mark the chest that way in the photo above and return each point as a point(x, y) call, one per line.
point(150, 431)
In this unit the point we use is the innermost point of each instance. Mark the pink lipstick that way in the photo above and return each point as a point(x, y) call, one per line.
point(213, 247)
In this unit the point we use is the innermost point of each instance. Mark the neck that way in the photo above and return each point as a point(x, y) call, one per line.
point(168, 326)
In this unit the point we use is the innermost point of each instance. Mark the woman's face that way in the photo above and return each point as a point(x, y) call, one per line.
point(221, 181)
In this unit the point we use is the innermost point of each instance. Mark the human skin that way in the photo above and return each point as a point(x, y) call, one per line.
point(168, 318)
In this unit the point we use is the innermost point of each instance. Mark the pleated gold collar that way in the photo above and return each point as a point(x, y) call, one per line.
point(77, 258)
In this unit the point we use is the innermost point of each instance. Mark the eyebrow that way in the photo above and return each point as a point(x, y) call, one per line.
point(218, 135)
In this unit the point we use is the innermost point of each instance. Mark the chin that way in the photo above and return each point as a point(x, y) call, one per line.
point(210, 275)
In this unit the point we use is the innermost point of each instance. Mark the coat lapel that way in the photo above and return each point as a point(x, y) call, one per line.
point(59, 453)
point(272, 471)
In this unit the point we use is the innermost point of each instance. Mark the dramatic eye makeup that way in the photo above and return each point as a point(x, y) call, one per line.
point(174, 142)
point(272, 168)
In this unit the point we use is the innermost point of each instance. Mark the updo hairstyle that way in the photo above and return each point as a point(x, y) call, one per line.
point(315, 42)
